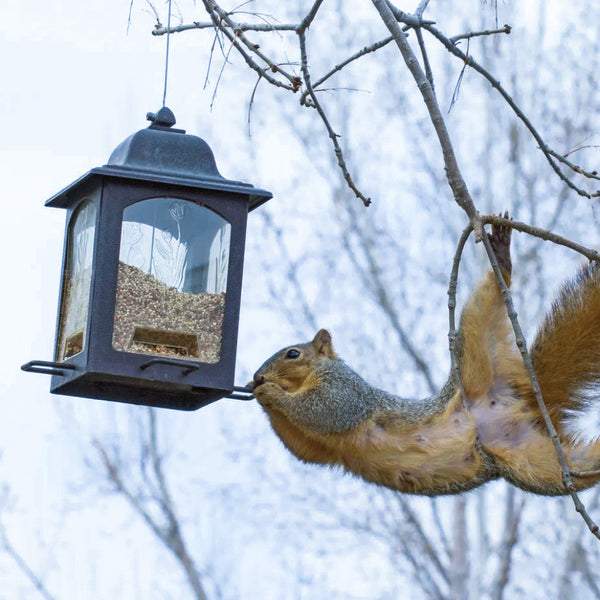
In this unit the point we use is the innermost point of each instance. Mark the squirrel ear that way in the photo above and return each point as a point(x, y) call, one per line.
point(323, 344)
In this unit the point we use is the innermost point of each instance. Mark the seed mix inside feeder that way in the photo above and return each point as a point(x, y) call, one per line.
point(153, 318)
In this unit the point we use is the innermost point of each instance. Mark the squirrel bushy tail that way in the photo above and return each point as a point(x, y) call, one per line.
point(566, 350)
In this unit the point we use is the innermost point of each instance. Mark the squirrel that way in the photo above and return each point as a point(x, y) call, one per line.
point(326, 413)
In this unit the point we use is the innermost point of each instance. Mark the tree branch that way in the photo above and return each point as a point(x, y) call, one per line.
point(238, 39)
point(332, 135)
point(548, 152)
point(373, 279)
point(363, 52)
point(520, 341)
point(466, 36)
point(309, 18)
point(455, 178)
point(23, 566)
point(262, 27)
point(512, 519)
point(169, 532)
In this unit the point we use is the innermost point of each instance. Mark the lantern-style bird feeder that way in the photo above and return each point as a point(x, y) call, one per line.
point(152, 274)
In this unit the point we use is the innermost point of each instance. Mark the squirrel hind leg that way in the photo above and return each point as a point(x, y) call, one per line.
point(500, 241)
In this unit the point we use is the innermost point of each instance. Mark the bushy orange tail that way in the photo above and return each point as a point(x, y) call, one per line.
point(566, 351)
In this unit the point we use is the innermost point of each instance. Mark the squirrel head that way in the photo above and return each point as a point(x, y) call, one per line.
point(292, 367)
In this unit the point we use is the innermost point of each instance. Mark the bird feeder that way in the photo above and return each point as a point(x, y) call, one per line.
point(152, 274)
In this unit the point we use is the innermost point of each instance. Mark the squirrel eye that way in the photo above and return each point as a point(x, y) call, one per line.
point(293, 353)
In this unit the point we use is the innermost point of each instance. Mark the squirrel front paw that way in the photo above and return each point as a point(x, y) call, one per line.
point(268, 394)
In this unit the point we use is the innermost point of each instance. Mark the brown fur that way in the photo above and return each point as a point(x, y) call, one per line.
point(440, 446)
point(566, 352)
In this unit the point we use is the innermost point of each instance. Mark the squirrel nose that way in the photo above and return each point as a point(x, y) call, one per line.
point(258, 378)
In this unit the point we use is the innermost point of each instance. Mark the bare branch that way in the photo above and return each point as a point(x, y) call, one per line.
point(222, 22)
point(585, 473)
point(520, 341)
point(168, 531)
point(312, 13)
point(160, 30)
point(332, 135)
point(455, 178)
point(543, 234)
point(426, 64)
point(421, 8)
point(563, 159)
point(512, 519)
point(366, 50)
point(23, 565)
point(452, 332)
point(548, 153)
point(410, 20)
point(578, 148)
point(466, 36)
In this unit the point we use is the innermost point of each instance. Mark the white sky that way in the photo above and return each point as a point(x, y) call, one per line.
point(74, 85)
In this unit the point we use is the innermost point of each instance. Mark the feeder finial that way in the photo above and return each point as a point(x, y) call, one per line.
point(163, 118)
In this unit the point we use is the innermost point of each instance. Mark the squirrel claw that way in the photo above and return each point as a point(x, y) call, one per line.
point(268, 393)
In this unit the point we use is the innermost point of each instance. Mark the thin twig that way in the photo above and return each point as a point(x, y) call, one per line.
point(363, 52)
point(455, 178)
point(309, 18)
point(238, 39)
point(458, 83)
point(543, 234)
point(519, 337)
point(410, 20)
point(563, 159)
point(466, 36)
point(426, 64)
point(23, 566)
point(578, 148)
point(236, 33)
point(452, 331)
point(160, 30)
point(332, 135)
point(518, 112)
point(421, 8)
point(373, 279)
point(585, 473)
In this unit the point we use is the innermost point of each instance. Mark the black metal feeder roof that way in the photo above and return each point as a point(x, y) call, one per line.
point(162, 154)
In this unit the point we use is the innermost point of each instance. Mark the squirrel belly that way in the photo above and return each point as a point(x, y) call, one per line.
point(420, 447)
point(326, 413)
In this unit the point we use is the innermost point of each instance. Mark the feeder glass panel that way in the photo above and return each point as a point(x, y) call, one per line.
point(73, 319)
point(171, 286)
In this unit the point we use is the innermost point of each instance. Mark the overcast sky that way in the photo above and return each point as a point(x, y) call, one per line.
point(75, 83)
